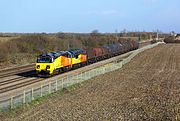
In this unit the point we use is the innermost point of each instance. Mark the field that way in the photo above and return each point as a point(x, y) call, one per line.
point(148, 88)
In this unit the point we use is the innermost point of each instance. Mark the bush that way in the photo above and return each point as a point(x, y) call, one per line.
point(171, 39)
point(34, 44)
point(31, 43)
point(3, 53)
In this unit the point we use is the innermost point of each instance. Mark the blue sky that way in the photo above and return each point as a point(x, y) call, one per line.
point(87, 15)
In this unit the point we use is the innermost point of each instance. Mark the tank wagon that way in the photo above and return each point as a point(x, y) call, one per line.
point(57, 62)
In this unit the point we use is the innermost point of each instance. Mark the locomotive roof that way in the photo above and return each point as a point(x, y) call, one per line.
point(76, 51)
point(53, 54)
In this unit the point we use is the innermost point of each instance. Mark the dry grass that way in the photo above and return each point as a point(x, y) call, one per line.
point(6, 39)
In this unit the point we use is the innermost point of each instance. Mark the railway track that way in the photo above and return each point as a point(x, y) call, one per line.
point(13, 72)
point(19, 78)
point(8, 81)
point(19, 85)
point(15, 83)
point(12, 69)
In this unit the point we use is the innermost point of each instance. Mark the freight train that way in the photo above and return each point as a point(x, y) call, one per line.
point(56, 62)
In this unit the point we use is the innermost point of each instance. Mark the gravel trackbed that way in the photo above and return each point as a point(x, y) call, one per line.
point(148, 88)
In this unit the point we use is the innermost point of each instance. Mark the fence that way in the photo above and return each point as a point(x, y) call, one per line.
point(58, 84)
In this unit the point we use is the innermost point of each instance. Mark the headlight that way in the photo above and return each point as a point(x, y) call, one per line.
point(47, 67)
point(38, 66)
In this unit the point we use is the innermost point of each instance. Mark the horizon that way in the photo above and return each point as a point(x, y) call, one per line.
point(160, 32)
point(81, 16)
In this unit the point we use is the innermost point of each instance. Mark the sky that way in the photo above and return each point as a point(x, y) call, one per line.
point(87, 15)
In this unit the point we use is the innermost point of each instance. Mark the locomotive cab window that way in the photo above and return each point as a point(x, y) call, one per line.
point(44, 60)
point(76, 56)
point(69, 56)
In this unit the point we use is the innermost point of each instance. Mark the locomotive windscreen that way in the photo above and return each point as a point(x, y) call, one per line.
point(44, 59)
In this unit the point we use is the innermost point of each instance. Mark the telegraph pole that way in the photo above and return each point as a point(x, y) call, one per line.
point(116, 31)
point(157, 35)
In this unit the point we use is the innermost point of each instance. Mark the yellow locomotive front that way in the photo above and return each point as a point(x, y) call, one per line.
point(45, 65)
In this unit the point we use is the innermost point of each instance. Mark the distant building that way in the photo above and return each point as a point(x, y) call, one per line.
point(173, 33)
point(178, 36)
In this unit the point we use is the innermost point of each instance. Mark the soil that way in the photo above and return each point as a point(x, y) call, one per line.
point(147, 88)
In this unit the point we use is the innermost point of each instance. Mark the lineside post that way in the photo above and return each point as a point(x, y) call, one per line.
point(103, 70)
point(121, 64)
point(41, 90)
point(11, 103)
point(67, 84)
point(32, 94)
point(76, 78)
point(62, 83)
point(81, 77)
point(24, 96)
point(49, 88)
point(89, 74)
point(86, 75)
point(56, 84)
point(92, 73)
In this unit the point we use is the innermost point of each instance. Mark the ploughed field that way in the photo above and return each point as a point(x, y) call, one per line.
point(148, 88)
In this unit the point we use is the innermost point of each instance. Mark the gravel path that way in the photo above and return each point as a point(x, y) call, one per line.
point(148, 88)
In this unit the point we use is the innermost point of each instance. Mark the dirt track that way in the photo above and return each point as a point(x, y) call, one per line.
point(148, 88)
